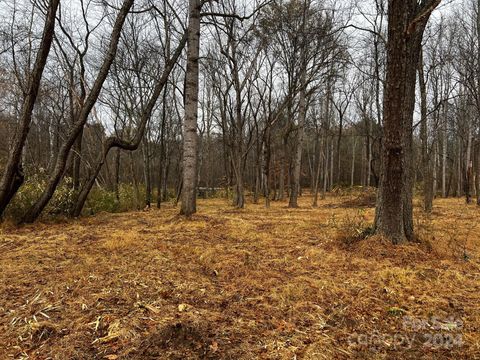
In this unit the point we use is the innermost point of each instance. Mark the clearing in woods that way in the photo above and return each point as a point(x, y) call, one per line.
point(242, 284)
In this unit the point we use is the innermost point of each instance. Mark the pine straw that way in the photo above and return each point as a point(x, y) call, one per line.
point(236, 284)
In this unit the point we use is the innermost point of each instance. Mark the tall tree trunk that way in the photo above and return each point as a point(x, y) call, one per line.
point(406, 23)
point(444, 149)
point(468, 165)
point(266, 165)
point(283, 166)
point(302, 114)
point(161, 162)
point(320, 159)
point(297, 165)
point(13, 176)
point(77, 160)
point(190, 137)
point(352, 174)
point(332, 158)
point(36, 209)
point(477, 171)
point(325, 167)
point(458, 192)
point(146, 173)
point(425, 154)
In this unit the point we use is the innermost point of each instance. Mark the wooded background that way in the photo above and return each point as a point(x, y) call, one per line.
point(290, 98)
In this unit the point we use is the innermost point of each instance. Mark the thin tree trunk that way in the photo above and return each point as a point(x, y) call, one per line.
point(116, 184)
point(297, 160)
point(33, 213)
point(13, 176)
point(425, 155)
point(468, 167)
point(352, 174)
point(146, 173)
point(477, 171)
point(320, 159)
point(444, 149)
point(325, 167)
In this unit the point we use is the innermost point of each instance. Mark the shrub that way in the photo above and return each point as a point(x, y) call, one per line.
point(28, 194)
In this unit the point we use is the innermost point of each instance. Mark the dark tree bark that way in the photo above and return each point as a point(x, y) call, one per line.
point(114, 142)
point(13, 176)
point(406, 24)
point(37, 208)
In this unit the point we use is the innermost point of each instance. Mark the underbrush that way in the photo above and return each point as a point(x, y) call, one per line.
point(31, 190)
point(100, 199)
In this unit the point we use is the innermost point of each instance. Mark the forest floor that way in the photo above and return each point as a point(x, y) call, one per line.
point(256, 283)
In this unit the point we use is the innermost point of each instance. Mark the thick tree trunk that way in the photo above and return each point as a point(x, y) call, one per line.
point(458, 192)
point(406, 23)
point(190, 137)
point(332, 157)
point(239, 200)
point(13, 176)
point(258, 171)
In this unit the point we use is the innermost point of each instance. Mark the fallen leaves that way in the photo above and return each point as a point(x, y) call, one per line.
point(184, 307)
point(243, 284)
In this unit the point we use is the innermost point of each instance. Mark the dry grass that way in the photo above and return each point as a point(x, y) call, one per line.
point(238, 284)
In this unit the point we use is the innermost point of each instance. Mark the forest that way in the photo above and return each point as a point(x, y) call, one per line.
point(239, 179)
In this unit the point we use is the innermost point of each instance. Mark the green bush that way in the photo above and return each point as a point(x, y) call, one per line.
point(60, 204)
point(105, 200)
point(99, 200)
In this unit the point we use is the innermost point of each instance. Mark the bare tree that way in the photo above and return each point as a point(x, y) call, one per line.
point(36, 209)
point(190, 136)
point(13, 176)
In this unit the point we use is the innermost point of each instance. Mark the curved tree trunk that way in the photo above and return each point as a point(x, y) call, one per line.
point(114, 142)
point(13, 176)
point(37, 208)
